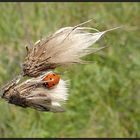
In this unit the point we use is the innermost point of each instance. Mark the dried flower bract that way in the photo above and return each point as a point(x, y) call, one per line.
point(66, 46)
point(32, 93)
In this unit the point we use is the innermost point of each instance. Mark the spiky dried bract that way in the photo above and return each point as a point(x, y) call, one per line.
point(66, 46)
point(32, 93)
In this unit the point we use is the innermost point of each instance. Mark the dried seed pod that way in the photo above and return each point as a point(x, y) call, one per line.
point(66, 46)
point(32, 93)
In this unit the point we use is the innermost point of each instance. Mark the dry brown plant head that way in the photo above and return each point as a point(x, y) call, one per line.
point(63, 48)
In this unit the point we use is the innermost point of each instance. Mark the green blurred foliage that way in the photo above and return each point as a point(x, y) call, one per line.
point(104, 96)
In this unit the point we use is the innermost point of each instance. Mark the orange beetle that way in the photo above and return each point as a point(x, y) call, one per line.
point(53, 79)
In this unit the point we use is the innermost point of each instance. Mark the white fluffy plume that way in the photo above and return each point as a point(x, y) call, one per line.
point(33, 93)
point(69, 44)
point(66, 46)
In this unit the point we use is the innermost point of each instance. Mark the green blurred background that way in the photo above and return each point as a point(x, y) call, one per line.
point(104, 96)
